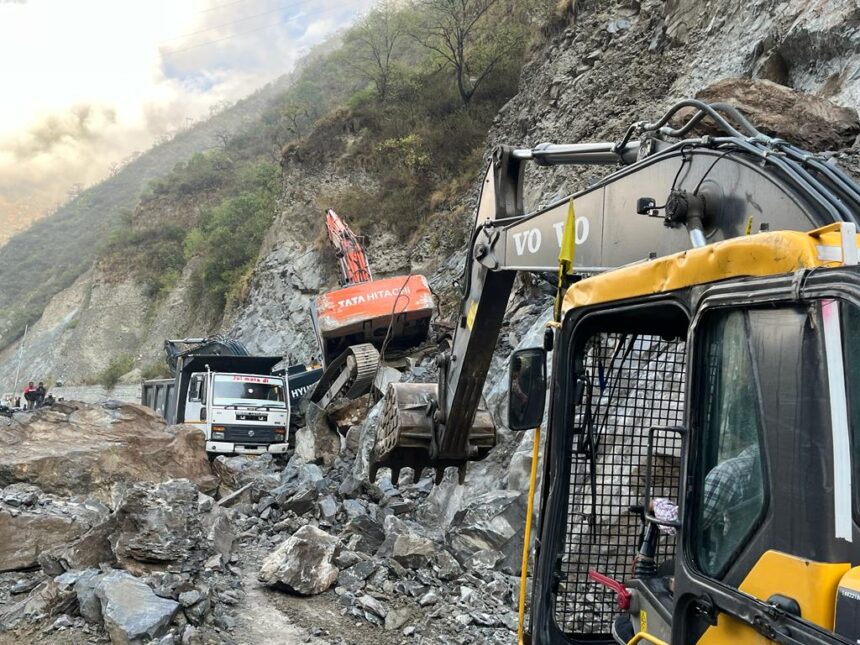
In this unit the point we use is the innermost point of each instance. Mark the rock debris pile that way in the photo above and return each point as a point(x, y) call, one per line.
point(118, 529)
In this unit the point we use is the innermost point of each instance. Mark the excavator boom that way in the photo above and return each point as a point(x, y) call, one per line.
point(350, 253)
point(670, 193)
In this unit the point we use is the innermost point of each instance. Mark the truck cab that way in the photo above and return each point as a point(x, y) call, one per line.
point(240, 413)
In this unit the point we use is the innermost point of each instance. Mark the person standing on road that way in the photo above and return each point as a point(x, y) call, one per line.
point(40, 394)
point(30, 395)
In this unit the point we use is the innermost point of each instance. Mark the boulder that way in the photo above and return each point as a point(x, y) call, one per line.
point(92, 549)
point(318, 442)
point(17, 495)
point(131, 612)
point(364, 533)
point(301, 501)
point(803, 119)
point(234, 473)
point(405, 544)
point(48, 599)
point(28, 530)
point(353, 578)
point(85, 590)
point(345, 413)
point(303, 563)
point(159, 523)
point(80, 449)
point(83, 582)
point(219, 531)
point(490, 522)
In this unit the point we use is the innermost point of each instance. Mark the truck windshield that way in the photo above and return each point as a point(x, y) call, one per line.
point(252, 391)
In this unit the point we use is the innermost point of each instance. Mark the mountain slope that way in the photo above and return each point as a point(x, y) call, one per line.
point(56, 250)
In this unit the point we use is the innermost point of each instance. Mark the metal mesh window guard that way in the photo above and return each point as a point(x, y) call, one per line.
point(632, 383)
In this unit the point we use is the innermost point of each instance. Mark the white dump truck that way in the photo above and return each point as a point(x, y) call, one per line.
point(242, 406)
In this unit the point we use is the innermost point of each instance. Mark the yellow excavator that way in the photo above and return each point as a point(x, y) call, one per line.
point(701, 462)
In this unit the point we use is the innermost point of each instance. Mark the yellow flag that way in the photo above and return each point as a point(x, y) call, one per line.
point(565, 255)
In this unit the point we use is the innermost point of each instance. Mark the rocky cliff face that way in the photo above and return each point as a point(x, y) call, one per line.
point(100, 317)
point(606, 65)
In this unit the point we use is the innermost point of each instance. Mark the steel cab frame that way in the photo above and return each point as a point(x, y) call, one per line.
point(780, 577)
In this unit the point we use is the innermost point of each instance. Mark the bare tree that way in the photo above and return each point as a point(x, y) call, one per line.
point(297, 117)
point(222, 136)
point(74, 190)
point(375, 38)
point(462, 34)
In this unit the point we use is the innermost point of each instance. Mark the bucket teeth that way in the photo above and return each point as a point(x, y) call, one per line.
point(405, 434)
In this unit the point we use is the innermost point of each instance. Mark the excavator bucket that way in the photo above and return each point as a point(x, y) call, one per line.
point(397, 309)
point(405, 435)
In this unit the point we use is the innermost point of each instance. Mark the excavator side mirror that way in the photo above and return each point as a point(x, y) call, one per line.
point(527, 388)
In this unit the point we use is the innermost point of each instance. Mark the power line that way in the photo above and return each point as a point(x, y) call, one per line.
point(233, 22)
point(212, 42)
point(226, 4)
point(243, 33)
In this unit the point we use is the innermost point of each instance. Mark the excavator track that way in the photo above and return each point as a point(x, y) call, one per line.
point(350, 375)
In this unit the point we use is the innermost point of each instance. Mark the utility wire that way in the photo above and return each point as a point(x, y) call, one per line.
point(243, 33)
point(212, 42)
point(234, 22)
point(226, 4)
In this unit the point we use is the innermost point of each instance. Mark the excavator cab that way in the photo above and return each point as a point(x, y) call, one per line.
point(733, 394)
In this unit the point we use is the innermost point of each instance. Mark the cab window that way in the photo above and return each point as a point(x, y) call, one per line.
point(729, 490)
point(196, 389)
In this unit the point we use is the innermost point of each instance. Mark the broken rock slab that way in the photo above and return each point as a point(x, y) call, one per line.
point(157, 524)
point(406, 544)
point(92, 549)
point(345, 413)
point(80, 449)
point(318, 442)
point(26, 531)
point(132, 613)
point(303, 564)
point(803, 119)
point(490, 522)
point(367, 437)
point(237, 472)
point(47, 599)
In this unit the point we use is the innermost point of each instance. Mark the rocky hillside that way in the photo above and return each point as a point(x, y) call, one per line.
point(131, 542)
point(591, 69)
point(602, 66)
point(55, 251)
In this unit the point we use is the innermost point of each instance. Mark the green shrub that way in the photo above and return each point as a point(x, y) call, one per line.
point(118, 366)
point(228, 236)
point(155, 256)
point(157, 369)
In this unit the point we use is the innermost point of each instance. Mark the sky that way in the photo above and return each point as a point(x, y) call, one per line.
point(87, 83)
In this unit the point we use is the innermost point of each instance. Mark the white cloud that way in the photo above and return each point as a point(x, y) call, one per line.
point(85, 83)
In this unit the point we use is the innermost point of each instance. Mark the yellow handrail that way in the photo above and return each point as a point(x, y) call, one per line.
point(645, 636)
point(524, 571)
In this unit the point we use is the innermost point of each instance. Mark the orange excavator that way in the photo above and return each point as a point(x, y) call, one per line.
point(364, 317)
